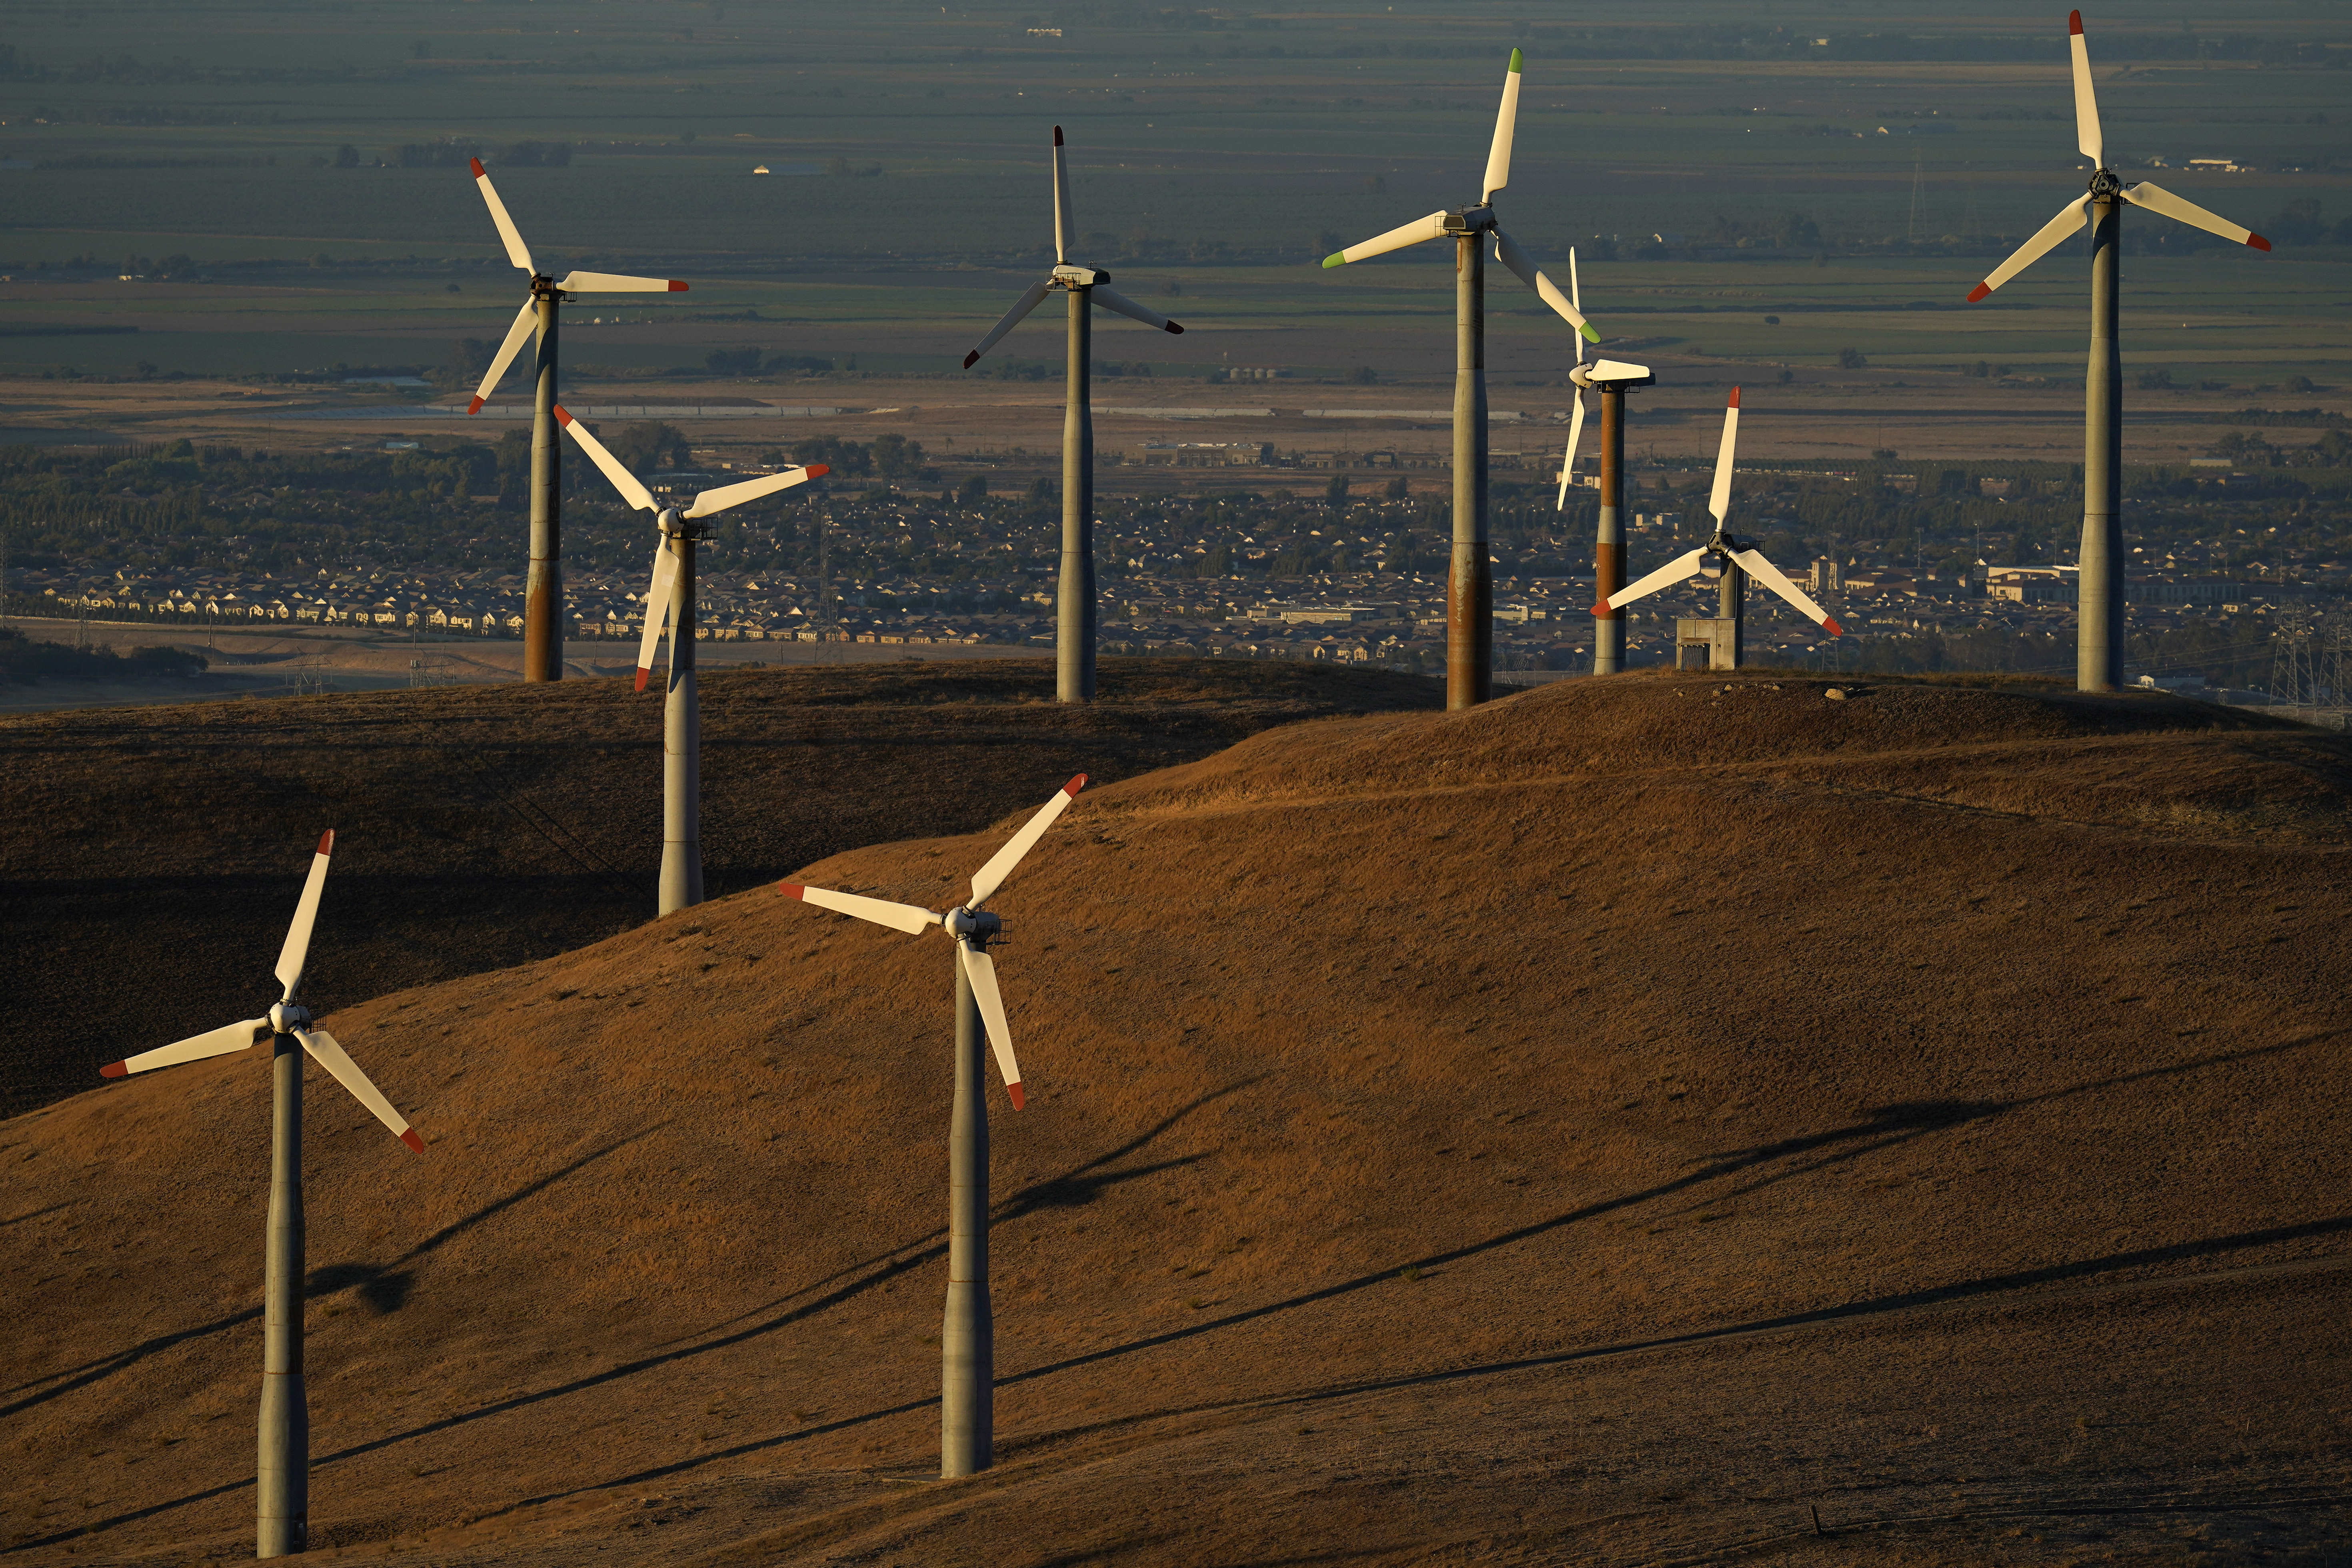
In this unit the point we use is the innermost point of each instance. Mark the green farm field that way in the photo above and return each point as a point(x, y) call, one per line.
point(1218, 154)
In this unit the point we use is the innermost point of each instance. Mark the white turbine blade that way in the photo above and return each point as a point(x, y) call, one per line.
point(1568, 463)
point(1026, 303)
point(194, 1048)
point(992, 876)
point(632, 490)
point(656, 605)
point(1506, 119)
point(330, 1056)
point(1127, 306)
point(981, 971)
point(617, 283)
point(1507, 251)
point(881, 911)
point(2069, 219)
point(517, 252)
point(1063, 231)
point(725, 496)
point(1421, 229)
point(1576, 297)
point(2155, 199)
point(297, 949)
point(1672, 571)
point(1752, 562)
point(526, 323)
point(1719, 501)
point(2086, 106)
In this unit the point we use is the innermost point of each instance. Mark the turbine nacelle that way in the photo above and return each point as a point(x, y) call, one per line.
point(962, 922)
point(1611, 375)
point(1470, 220)
point(1070, 275)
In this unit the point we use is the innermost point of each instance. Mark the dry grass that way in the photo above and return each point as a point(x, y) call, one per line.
point(152, 855)
point(1609, 1126)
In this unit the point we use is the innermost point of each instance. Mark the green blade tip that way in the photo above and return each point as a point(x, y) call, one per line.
point(1337, 259)
point(1517, 63)
point(1590, 335)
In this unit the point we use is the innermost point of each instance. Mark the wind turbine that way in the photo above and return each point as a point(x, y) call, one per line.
point(672, 596)
point(283, 1478)
point(1074, 613)
point(542, 636)
point(1611, 378)
point(968, 1345)
point(1470, 586)
point(1725, 557)
point(2099, 592)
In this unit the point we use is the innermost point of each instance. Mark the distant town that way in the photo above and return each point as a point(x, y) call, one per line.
point(1329, 556)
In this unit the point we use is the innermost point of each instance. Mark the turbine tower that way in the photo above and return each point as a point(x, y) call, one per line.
point(672, 595)
point(1611, 378)
point(1728, 560)
point(2099, 592)
point(543, 634)
point(282, 1480)
point(968, 1345)
point(1074, 611)
point(1470, 584)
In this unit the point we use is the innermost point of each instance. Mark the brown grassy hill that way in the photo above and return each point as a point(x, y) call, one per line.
point(1607, 1126)
point(151, 855)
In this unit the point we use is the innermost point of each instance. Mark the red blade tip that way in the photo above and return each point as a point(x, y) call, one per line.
point(413, 1141)
point(641, 678)
point(1835, 630)
point(1978, 292)
point(561, 416)
point(971, 359)
point(1057, 136)
point(1734, 399)
point(1014, 1090)
point(675, 287)
point(475, 406)
point(818, 470)
point(1601, 608)
point(477, 167)
point(115, 1069)
point(2074, 24)
point(2258, 242)
point(1074, 786)
point(1174, 327)
point(327, 842)
point(794, 890)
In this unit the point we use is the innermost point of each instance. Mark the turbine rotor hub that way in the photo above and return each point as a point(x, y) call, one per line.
point(1470, 220)
point(2105, 186)
point(962, 921)
point(288, 1016)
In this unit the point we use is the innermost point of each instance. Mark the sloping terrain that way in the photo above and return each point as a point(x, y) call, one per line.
point(150, 856)
point(1652, 1120)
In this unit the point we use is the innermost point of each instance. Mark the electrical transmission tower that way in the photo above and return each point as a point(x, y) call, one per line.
point(2295, 652)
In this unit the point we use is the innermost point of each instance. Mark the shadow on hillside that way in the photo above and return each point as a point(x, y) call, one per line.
point(1884, 1128)
point(383, 1286)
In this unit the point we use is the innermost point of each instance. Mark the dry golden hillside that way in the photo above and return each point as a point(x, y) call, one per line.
point(482, 826)
point(1619, 1124)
